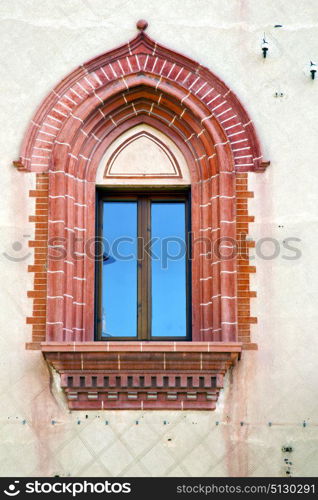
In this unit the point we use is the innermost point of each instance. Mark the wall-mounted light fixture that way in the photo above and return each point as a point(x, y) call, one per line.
point(313, 70)
point(265, 47)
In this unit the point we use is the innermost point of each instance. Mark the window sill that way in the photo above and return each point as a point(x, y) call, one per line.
point(141, 375)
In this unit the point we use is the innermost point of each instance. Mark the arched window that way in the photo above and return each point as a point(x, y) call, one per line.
point(140, 116)
point(144, 205)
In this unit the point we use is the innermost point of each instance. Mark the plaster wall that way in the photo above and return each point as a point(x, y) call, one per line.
point(41, 42)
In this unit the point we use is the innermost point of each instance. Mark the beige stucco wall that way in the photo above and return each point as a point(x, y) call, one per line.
point(278, 384)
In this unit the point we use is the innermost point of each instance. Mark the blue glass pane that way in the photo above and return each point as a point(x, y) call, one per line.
point(119, 294)
point(168, 270)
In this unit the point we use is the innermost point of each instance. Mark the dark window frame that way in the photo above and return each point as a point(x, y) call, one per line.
point(144, 197)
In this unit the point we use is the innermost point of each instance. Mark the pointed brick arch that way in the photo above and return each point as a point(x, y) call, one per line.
point(141, 82)
point(140, 58)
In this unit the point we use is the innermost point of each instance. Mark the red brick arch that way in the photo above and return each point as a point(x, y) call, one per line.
point(140, 82)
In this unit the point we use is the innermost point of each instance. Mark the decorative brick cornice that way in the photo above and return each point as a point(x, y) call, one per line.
point(142, 375)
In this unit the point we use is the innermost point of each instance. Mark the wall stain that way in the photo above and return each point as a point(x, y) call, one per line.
point(235, 426)
point(43, 407)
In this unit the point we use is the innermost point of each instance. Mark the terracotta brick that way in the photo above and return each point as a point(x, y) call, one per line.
point(41, 211)
point(37, 244)
point(37, 218)
point(36, 294)
point(250, 244)
point(40, 253)
point(244, 301)
point(39, 301)
point(248, 269)
point(243, 309)
point(249, 293)
point(40, 281)
point(39, 313)
point(41, 286)
point(32, 320)
point(36, 268)
point(249, 218)
point(42, 184)
point(41, 236)
point(39, 328)
point(245, 194)
point(248, 320)
point(41, 203)
point(38, 193)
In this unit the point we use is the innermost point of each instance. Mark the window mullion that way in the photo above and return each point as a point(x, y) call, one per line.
point(148, 259)
point(99, 268)
point(143, 268)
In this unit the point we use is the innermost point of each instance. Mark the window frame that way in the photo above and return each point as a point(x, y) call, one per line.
point(144, 196)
